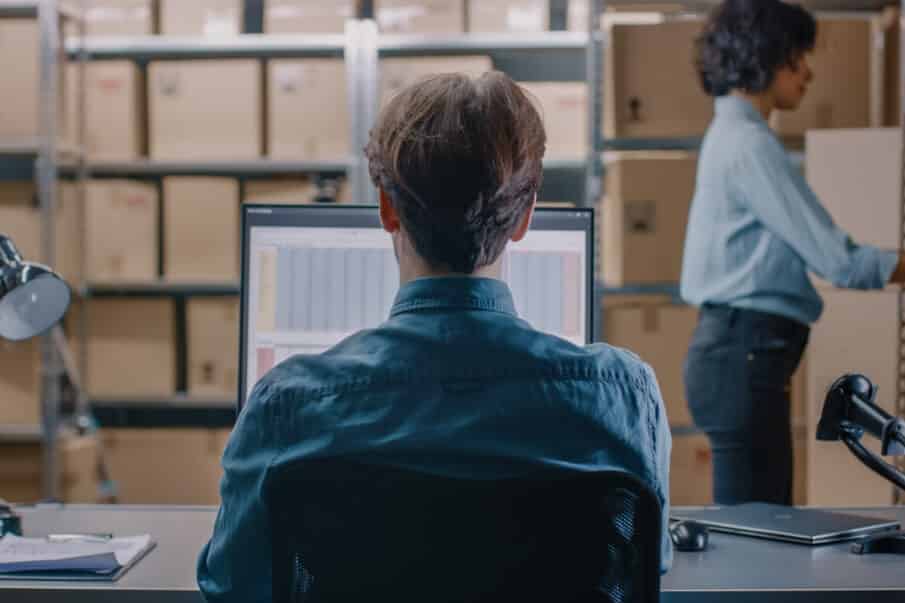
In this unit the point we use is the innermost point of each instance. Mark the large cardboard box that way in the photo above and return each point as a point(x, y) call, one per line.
point(201, 17)
point(205, 110)
point(19, 72)
point(299, 126)
point(165, 466)
point(643, 218)
point(398, 73)
point(307, 16)
point(113, 108)
point(201, 229)
point(213, 346)
point(420, 16)
point(121, 226)
point(660, 335)
point(651, 88)
point(565, 111)
point(858, 333)
point(857, 174)
point(282, 191)
point(21, 473)
point(690, 471)
point(845, 51)
point(119, 17)
point(20, 383)
point(508, 15)
point(130, 347)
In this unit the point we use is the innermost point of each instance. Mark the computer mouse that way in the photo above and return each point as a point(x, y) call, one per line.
point(689, 536)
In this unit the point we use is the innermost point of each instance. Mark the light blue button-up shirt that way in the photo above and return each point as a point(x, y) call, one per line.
point(756, 229)
point(452, 383)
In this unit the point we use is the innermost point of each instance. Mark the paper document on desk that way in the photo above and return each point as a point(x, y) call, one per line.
point(20, 555)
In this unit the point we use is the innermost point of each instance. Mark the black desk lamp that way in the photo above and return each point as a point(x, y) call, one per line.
point(33, 298)
point(848, 412)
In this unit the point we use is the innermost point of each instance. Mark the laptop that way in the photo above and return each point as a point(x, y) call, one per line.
point(788, 524)
point(314, 274)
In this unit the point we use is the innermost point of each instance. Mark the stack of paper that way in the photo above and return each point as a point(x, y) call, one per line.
point(39, 555)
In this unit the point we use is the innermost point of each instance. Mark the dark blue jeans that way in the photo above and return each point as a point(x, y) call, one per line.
point(737, 382)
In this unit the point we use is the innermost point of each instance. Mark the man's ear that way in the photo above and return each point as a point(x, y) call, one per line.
point(525, 224)
point(388, 216)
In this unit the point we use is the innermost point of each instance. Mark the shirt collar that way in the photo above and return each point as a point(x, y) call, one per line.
point(454, 293)
point(734, 106)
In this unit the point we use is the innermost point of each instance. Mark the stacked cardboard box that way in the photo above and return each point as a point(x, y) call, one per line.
point(283, 191)
point(305, 16)
point(118, 18)
point(420, 16)
point(564, 106)
point(508, 15)
point(121, 226)
point(690, 471)
point(201, 229)
point(213, 347)
point(20, 383)
point(201, 17)
point(21, 470)
point(205, 110)
point(298, 90)
point(642, 222)
point(130, 347)
point(165, 466)
point(396, 74)
point(857, 175)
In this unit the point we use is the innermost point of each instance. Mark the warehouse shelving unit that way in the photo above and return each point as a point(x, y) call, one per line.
point(39, 159)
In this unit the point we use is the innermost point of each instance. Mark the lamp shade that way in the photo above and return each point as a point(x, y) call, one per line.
point(33, 297)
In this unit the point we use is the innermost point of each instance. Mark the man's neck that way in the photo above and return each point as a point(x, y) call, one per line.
point(762, 102)
point(410, 270)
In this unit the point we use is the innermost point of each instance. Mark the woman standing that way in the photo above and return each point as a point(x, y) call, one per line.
point(755, 232)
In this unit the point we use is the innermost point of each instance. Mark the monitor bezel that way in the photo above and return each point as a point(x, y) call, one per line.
point(585, 214)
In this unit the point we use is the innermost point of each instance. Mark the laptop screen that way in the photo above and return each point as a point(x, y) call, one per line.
point(314, 274)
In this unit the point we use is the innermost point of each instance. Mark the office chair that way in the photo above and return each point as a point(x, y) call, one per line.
point(345, 531)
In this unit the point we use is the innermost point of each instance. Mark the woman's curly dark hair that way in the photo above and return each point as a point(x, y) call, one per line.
point(746, 41)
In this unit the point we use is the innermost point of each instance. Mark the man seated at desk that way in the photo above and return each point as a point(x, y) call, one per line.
point(453, 374)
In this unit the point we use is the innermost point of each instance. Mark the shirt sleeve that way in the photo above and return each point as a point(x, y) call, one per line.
point(778, 195)
point(662, 453)
point(227, 572)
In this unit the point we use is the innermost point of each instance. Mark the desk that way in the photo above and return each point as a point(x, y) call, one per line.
point(734, 569)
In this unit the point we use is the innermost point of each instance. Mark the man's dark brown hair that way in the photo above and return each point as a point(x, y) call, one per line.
point(461, 161)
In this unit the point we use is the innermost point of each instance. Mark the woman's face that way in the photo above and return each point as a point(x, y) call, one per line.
point(791, 83)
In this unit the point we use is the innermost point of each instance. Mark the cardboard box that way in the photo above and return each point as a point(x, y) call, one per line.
point(20, 72)
point(399, 73)
point(844, 52)
point(690, 471)
point(305, 16)
point(121, 226)
point(20, 383)
point(564, 106)
point(299, 127)
point(201, 229)
point(205, 110)
point(857, 175)
point(119, 18)
point(892, 94)
point(213, 346)
point(284, 191)
point(651, 88)
point(21, 470)
point(858, 333)
point(165, 466)
point(201, 17)
point(508, 15)
point(130, 347)
point(420, 16)
point(643, 218)
point(113, 109)
point(20, 219)
point(660, 335)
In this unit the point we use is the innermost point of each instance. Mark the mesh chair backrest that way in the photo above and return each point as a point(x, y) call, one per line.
point(345, 531)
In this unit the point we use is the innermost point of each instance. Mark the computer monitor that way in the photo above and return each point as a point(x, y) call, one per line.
point(314, 274)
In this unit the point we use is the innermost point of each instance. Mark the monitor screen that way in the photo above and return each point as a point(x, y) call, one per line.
point(314, 274)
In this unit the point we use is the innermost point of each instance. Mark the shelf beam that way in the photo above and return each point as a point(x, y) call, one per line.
point(252, 46)
point(160, 289)
point(251, 167)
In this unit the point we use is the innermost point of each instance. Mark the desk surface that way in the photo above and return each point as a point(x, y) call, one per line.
point(734, 568)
